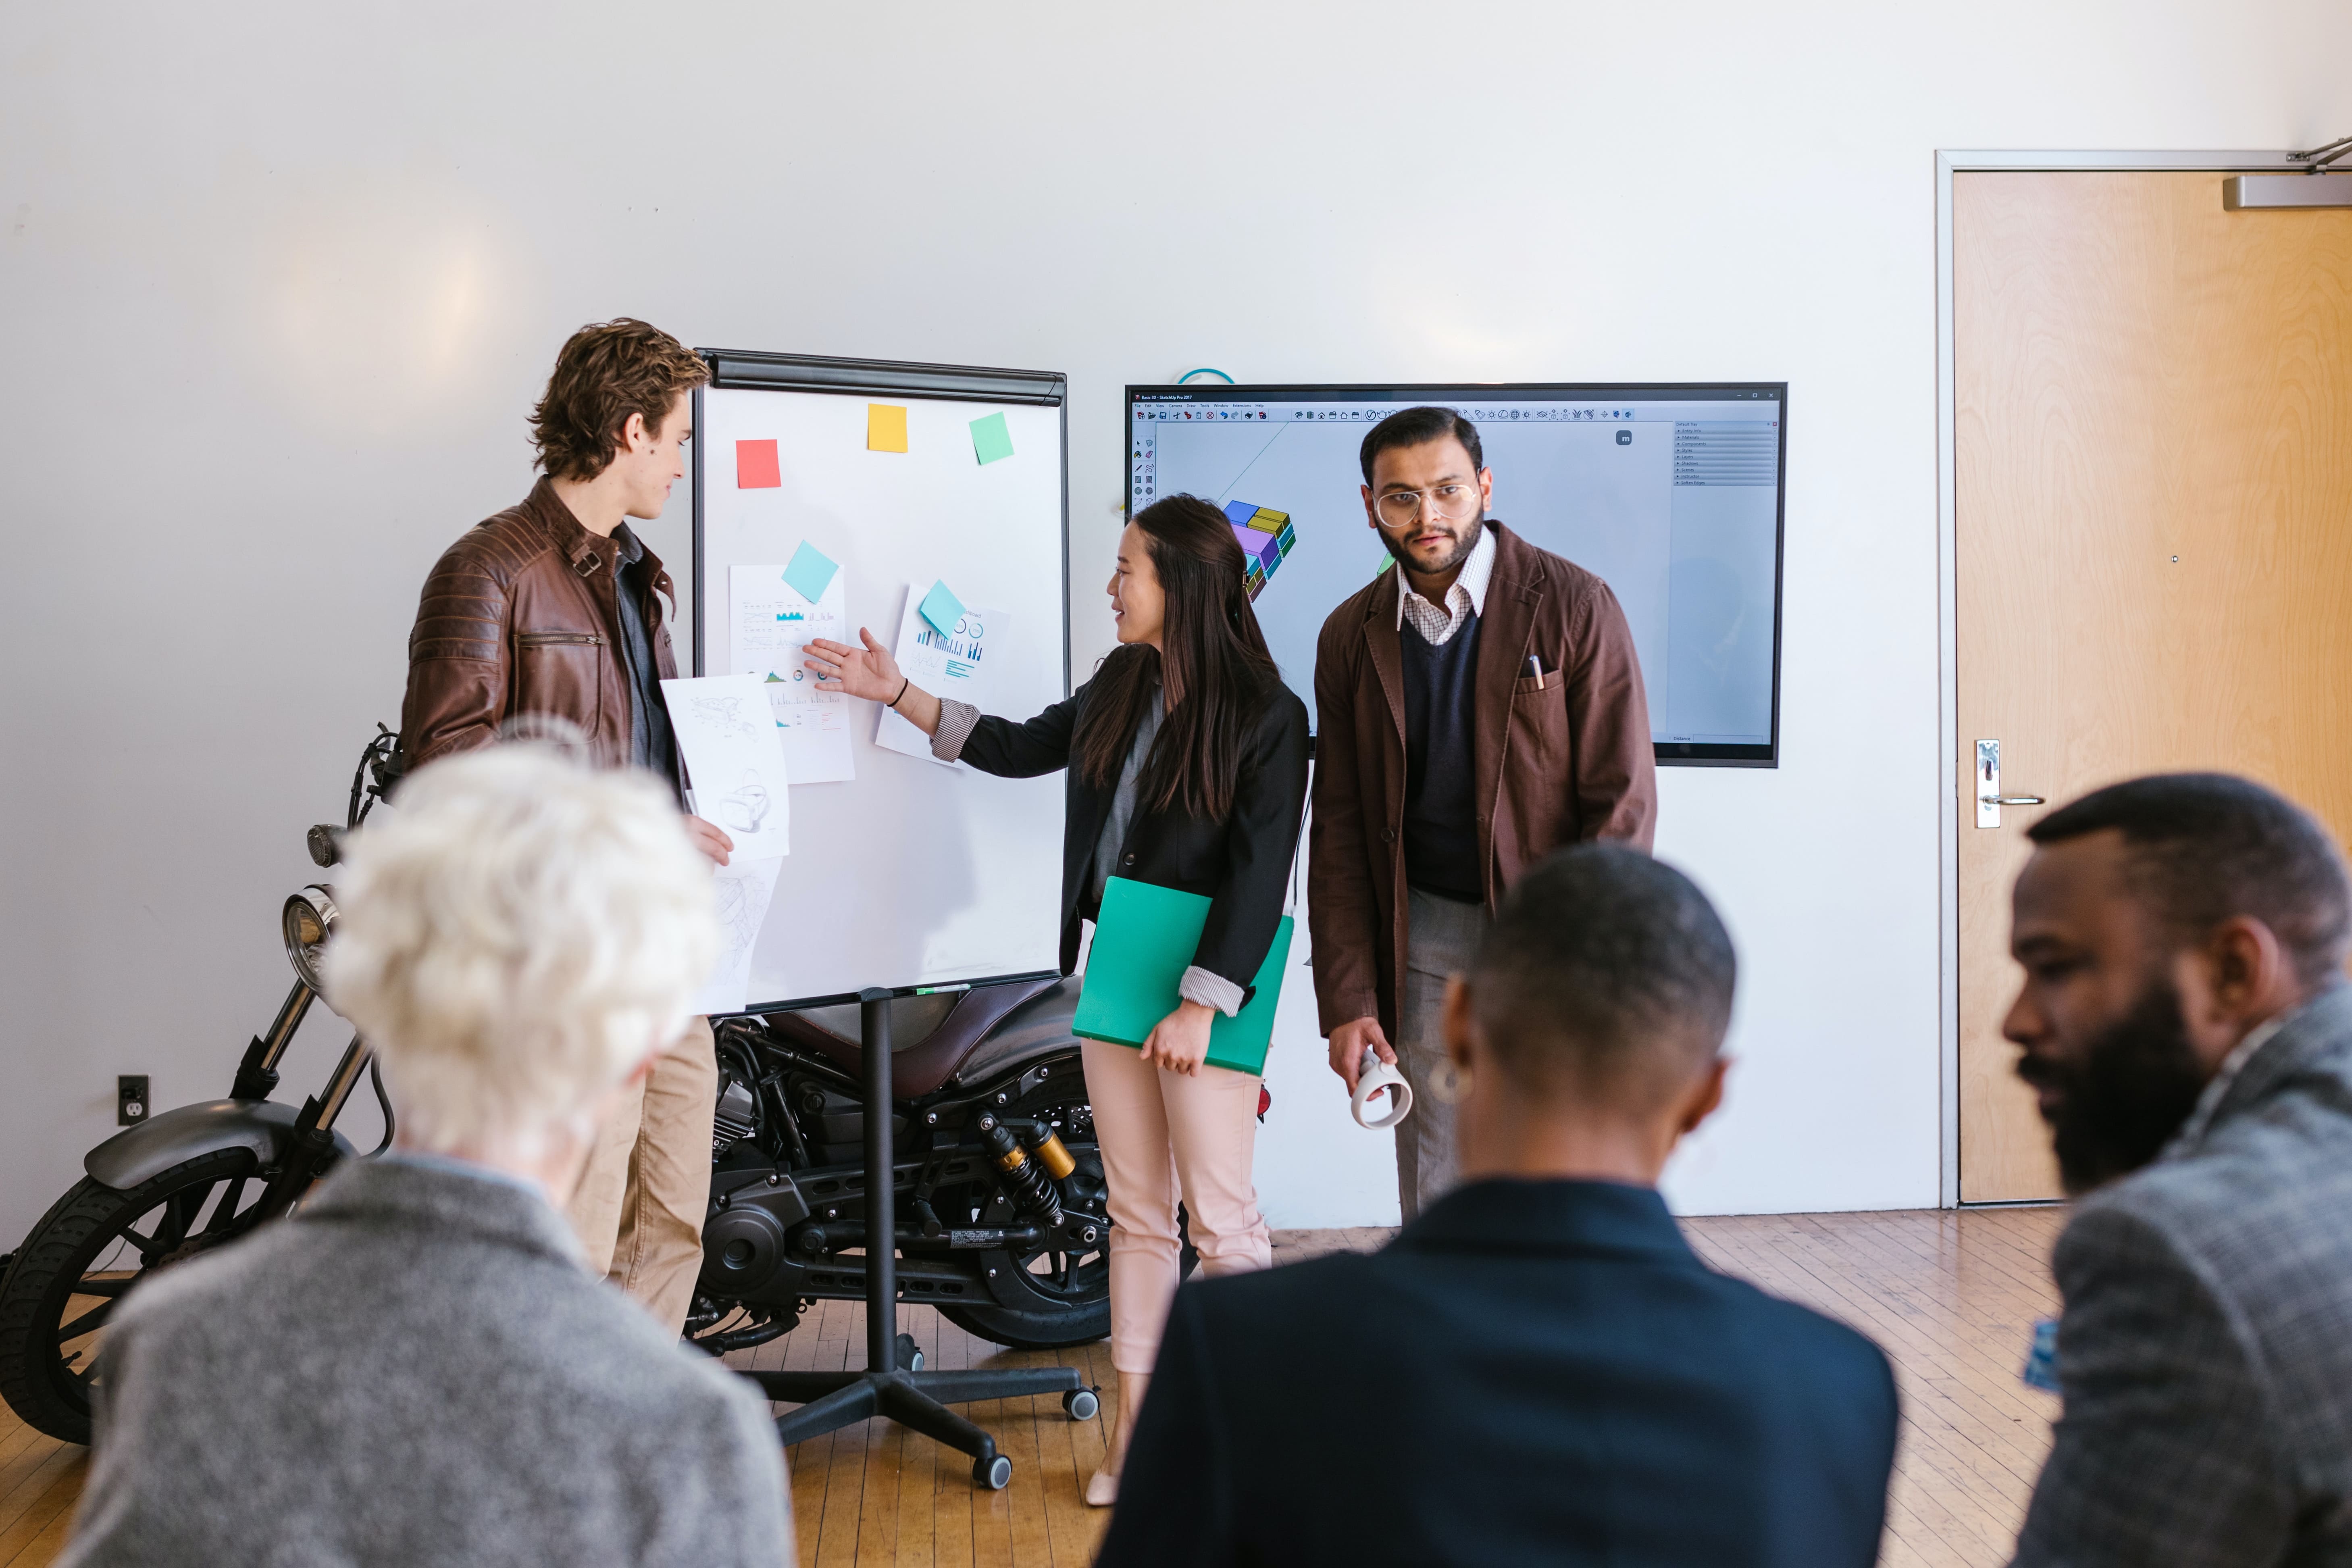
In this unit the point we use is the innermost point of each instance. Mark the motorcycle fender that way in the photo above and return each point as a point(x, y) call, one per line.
point(171, 1138)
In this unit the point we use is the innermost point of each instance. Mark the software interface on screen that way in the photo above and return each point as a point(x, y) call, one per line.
point(1670, 495)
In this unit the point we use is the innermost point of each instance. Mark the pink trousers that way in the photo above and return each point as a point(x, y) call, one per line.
point(1166, 1136)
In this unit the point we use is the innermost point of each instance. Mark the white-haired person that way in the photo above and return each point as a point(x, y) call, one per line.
point(418, 1368)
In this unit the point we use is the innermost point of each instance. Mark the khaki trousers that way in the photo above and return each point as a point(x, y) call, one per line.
point(639, 1207)
point(1162, 1135)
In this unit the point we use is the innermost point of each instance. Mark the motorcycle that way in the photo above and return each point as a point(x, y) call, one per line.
point(998, 1181)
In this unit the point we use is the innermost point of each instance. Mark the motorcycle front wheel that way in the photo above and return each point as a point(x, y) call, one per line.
point(87, 1253)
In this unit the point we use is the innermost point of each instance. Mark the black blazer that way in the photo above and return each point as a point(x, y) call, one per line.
point(1242, 863)
point(1532, 1371)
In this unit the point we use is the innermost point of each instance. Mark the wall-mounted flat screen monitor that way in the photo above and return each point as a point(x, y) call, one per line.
point(1672, 494)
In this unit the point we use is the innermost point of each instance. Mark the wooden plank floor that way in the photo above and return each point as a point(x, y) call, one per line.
point(1951, 1295)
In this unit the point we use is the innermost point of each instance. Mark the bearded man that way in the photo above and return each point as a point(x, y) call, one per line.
point(2187, 1030)
point(1481, 706)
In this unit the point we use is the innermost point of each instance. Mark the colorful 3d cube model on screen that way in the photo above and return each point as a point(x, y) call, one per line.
point(1265, 537)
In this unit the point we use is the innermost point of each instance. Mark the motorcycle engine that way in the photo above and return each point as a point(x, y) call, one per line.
point(736, 1118)
point(743, 1239)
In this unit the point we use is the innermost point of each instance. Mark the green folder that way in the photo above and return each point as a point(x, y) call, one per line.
point(1144, 941)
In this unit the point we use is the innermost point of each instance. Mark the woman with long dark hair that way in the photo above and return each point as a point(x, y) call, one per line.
point(1187, 767)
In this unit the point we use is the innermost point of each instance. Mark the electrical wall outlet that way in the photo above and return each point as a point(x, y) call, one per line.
point(130, 1102)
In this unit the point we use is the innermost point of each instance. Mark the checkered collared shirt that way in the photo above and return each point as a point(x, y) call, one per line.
point(1467, 597)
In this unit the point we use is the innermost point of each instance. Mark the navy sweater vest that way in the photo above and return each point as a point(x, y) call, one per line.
point(1440, 813)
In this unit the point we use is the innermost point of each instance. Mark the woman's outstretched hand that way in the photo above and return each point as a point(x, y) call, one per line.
point(1179, 1042)
point(869, 672)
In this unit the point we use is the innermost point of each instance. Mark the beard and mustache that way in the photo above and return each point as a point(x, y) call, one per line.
point(1463, 546)
point(2126, 1094)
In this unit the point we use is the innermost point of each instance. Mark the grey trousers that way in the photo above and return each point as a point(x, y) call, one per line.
point(1441, 937)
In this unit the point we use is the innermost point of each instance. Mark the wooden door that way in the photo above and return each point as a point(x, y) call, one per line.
point(2153, 472)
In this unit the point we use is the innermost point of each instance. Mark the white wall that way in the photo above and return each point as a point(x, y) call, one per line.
point(278, 283)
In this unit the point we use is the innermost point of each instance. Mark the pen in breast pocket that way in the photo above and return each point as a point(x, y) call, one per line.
point(1535, 669)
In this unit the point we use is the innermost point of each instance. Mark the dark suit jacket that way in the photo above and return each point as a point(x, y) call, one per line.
point(1557, 761)
point(2206, 1351)
point(1533, 1372)
point(1242, 863)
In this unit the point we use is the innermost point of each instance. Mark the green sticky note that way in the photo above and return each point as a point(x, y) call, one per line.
point(989, 439)
point(811, 572)
point(941, 608)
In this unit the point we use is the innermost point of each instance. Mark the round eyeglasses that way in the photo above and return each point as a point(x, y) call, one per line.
point(1447, 503)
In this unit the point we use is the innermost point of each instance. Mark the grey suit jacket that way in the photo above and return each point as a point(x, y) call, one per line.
point(2206, 1351)
point(417, 1370)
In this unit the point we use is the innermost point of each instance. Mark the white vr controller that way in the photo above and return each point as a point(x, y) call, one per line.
point(1374, 1077)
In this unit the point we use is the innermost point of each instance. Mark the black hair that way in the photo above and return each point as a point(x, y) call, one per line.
point(1607, 974)
point(2205, 848)
point(1416, 426)
point(1216, 670)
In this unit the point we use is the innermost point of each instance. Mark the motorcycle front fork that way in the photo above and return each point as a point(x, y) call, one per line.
point(311, 1150)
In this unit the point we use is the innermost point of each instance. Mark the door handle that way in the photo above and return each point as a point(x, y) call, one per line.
point(1989, 800)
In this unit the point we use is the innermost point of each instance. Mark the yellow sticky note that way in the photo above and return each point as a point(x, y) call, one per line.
point(886, 428)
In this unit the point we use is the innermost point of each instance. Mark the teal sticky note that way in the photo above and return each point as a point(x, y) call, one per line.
point(811, 572)
point(941, 608)
point(989, 439)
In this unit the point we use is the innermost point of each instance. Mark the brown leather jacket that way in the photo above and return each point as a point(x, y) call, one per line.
point(519, 616)
point(1558, 761)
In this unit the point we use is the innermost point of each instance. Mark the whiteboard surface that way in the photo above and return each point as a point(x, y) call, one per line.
point(911, 874)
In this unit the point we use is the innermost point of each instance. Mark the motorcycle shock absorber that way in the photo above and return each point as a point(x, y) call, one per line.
point(1028, 1180)
point(1046, 1144)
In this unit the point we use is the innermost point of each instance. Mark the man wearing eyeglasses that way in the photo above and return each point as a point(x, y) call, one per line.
point(1477, 709)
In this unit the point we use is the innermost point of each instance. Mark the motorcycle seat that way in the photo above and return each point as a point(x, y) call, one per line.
point(933, 1039)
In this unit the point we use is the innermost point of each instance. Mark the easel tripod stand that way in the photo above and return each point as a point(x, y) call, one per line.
point(893, 1383)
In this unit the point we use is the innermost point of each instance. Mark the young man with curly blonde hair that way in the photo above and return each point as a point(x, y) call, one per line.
point(552, 610)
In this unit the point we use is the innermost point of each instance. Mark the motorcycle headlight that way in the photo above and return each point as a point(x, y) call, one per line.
point(306, 921)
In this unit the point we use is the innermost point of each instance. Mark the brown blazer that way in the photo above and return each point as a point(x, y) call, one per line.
point(520, 615)
point(1559, 761)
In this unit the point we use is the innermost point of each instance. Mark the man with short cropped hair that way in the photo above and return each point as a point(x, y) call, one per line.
point(552, 610)
point(2188, 1031)
point(1477, 707)
point(414, 1368)
point(1537, 1370)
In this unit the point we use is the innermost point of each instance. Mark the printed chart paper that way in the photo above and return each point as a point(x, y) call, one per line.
point(743, 888)
point(735, 756)
point(769, 623)
point(964, 664)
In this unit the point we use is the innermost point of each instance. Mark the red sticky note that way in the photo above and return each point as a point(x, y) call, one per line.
point(755, 466)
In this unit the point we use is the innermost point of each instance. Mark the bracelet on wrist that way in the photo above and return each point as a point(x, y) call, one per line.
point(904, 682)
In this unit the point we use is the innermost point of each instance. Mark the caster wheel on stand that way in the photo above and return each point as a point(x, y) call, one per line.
point(911, 1359)
point(1081, 1403)
point(993, 1471)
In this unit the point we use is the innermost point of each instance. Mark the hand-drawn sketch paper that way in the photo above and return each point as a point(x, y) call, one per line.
point(743, 888)
point(964, 664)
point(769, 623)
point(735, 757)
